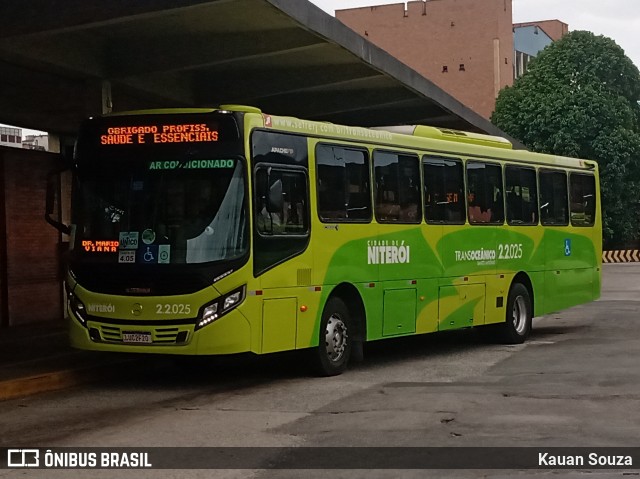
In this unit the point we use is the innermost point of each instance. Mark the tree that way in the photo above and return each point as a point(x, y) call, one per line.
point(580, 98)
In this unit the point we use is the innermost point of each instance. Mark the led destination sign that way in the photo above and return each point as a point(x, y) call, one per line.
point(154, 134)
point(91, 246)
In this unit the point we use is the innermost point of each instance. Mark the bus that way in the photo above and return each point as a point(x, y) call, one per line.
point(227, 230)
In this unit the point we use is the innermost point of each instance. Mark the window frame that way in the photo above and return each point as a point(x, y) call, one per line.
point(466, 178)
point(461, 163)
point(595, 198)
point(374, 189)
point(565, 173)
point(508, 166)
point(283, 168)
point(367, 162)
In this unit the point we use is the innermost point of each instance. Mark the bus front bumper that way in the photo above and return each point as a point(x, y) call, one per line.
point(228, 335)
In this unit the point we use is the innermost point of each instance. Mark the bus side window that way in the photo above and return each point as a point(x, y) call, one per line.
point(484, 193)
point(343, 184)
point(521, 196)
point(583, 199)
point(280, 197)
point(397, 187)
point(553, 198)
point(443, 190)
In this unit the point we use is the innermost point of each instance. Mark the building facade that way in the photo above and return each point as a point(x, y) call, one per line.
point(466, 47)
point(10, 136)
point(36, 142)
point(531, 38)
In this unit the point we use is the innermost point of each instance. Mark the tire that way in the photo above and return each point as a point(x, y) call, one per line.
point(517, 327)
point(333, 352)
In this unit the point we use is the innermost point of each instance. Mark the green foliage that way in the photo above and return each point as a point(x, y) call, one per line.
point(580, 98)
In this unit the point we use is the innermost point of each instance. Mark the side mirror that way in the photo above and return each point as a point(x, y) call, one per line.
point(53, 192)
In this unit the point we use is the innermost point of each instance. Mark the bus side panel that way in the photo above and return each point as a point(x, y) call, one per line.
point(461, 306)
point(497, 290)
point(571, 262)
point(539, 297)
point(468, 250)
point(427, 310)
point(228, 335)
point(399, 308)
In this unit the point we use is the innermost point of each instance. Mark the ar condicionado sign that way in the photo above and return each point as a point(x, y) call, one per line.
point(138, 135)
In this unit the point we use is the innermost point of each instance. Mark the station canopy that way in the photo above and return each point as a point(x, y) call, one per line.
point(64, 60)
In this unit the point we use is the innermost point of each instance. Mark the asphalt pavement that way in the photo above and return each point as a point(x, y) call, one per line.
point(37, 358)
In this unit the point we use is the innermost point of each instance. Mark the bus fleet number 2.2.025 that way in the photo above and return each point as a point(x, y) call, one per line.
point(179, 308)
point(510, 251)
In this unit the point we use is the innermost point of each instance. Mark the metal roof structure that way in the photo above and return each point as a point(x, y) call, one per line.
point(61, 60)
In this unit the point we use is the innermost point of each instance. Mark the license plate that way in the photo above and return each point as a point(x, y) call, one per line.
point(136, 338)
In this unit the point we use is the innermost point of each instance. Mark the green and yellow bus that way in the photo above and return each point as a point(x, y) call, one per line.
point(221, 231)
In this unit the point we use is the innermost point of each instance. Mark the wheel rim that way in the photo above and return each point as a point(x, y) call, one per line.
point(519, 315)
point(335, 338)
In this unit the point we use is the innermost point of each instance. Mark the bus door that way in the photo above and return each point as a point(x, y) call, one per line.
point(282, 260)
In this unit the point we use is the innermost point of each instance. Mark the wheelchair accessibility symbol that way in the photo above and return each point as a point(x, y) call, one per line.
point(567, 247)
point(148, 254)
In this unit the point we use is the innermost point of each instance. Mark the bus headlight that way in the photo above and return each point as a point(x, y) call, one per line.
point(231, 300)
point(221, 306)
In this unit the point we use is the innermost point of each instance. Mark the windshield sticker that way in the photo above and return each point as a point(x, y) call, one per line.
point(148, 254)
point(148, 236)
point(91, 246)
point(140, 135)
point(126, 256)
point(164, 254)
point(388, 252)
point(191, 165)
point(129, 240)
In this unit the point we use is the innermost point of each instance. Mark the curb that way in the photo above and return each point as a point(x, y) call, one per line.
point(57, 380)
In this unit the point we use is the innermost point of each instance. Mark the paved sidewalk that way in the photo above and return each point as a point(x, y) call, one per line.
point(37, 358)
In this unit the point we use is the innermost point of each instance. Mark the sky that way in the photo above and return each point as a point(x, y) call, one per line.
point(616, 19)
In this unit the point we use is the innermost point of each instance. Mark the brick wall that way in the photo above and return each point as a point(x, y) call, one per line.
point(31, 282)
point(428, 36)
point(554, 28)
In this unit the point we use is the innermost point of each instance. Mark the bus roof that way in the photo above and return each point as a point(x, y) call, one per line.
point(425, 138)
point(436, 140)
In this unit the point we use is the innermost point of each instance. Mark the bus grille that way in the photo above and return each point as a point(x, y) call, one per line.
point(159, 336)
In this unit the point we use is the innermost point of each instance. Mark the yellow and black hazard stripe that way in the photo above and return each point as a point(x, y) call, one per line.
point(621, 256)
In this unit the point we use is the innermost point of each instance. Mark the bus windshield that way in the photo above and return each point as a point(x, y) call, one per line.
point(161, 212)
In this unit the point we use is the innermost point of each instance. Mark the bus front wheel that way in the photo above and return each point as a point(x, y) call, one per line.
point(517, 327)
point(332, 354)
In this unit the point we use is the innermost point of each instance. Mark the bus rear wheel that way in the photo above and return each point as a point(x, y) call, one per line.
point(517, 326)
point(332, 354)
